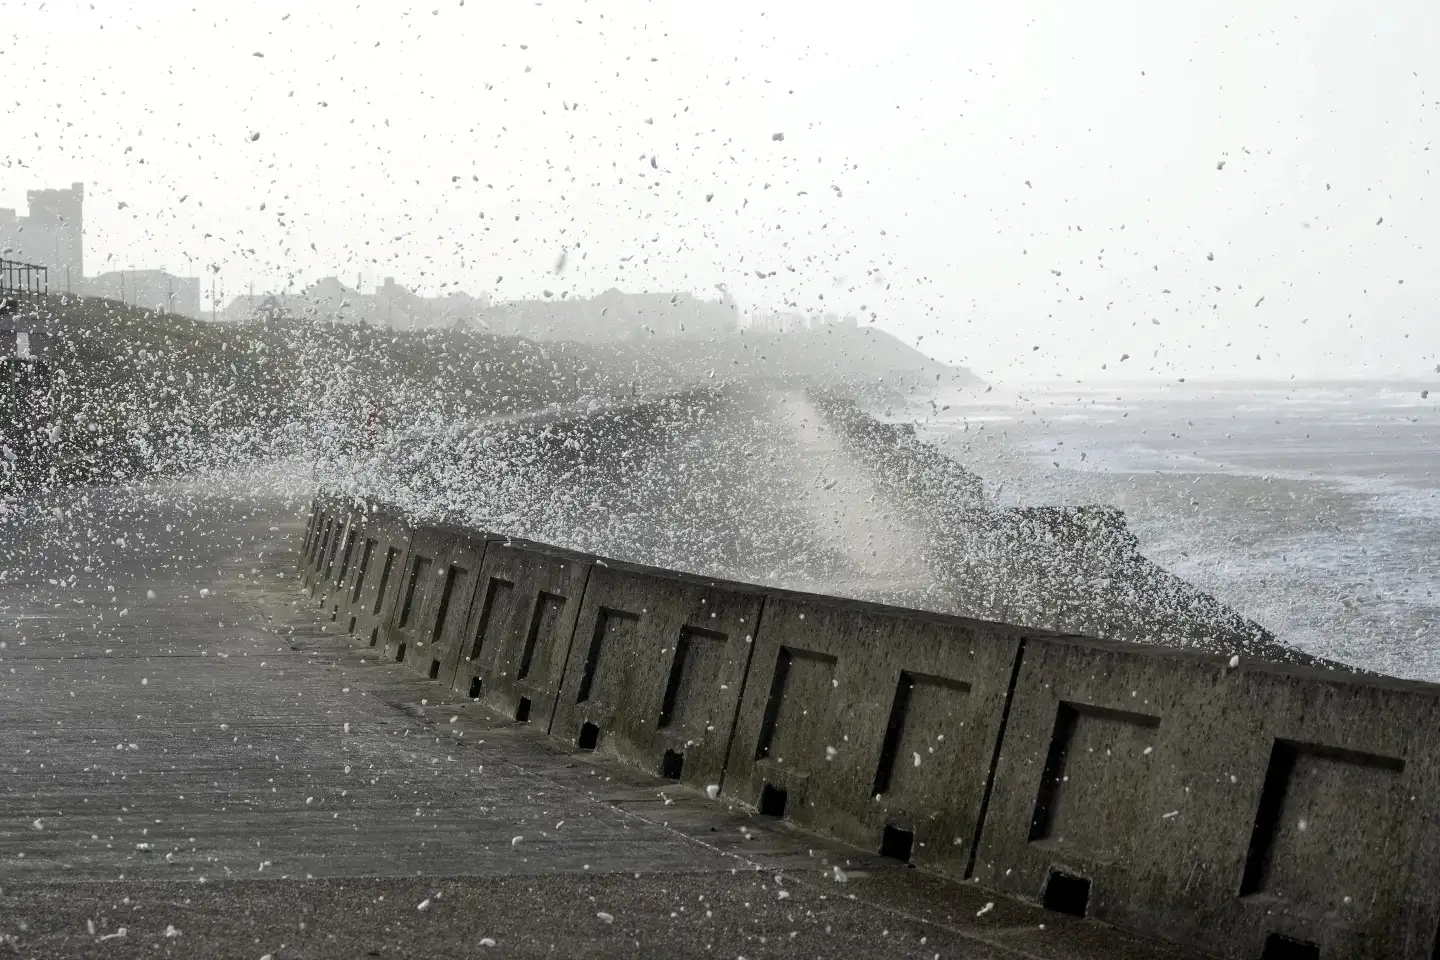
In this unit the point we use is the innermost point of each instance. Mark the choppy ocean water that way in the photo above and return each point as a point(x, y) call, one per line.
point(1313, 508)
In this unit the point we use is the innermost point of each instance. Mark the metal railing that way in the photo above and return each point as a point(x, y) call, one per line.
point(18, 277)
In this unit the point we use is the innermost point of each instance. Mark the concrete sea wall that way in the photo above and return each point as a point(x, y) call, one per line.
point(1242, 808)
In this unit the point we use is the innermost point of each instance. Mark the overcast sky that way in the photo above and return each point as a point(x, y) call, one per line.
point(991, 177)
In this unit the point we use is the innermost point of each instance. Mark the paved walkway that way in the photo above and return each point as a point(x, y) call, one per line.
point(192, 764)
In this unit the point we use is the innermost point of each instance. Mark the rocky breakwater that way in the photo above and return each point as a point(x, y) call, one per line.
point(1071, 569)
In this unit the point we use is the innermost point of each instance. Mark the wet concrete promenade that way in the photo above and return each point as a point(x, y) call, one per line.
point(194, 764)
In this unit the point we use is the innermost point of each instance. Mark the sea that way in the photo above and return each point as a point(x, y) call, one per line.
point(1311, 507)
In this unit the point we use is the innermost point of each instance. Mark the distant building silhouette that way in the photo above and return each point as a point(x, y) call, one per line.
point(151, 289)
point(52, 235)
point(615, 315)
point(391, 305)
point(771, 321)
point(611, 316)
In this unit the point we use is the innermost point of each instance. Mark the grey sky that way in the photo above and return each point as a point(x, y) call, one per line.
point(910, 132)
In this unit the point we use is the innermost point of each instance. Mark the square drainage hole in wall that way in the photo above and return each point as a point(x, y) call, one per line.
point(351, 631)
point(1067, 894)
point(474, 688)
point(672, 765)
point(374, 636)
point(772, 801)
point(589, 736)
point(897, 843)
point(434, 669)
point(400, 653)
point(1284, 948)
point(522, 710)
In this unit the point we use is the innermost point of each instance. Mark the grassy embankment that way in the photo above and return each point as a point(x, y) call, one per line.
point(123, 392)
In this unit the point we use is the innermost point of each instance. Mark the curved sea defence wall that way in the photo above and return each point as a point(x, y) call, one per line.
point(1243, 808)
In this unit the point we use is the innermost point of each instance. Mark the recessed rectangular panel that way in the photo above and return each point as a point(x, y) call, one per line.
point(614, 630)
point(334, 548)
point(543, 622)
point(497, 598)
point(1094, 778)
point(308, 544)
point(695, 676)
point(390, 556)
point(419, 580)
point(924, 730)
point(345, 559)
point(324, 543)
point(316, 540)
point(797, 711)
point(1320, 836)
point(452, 576)
point(365, 554)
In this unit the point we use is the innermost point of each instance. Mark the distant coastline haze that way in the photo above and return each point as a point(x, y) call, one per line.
point(1039, 191)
